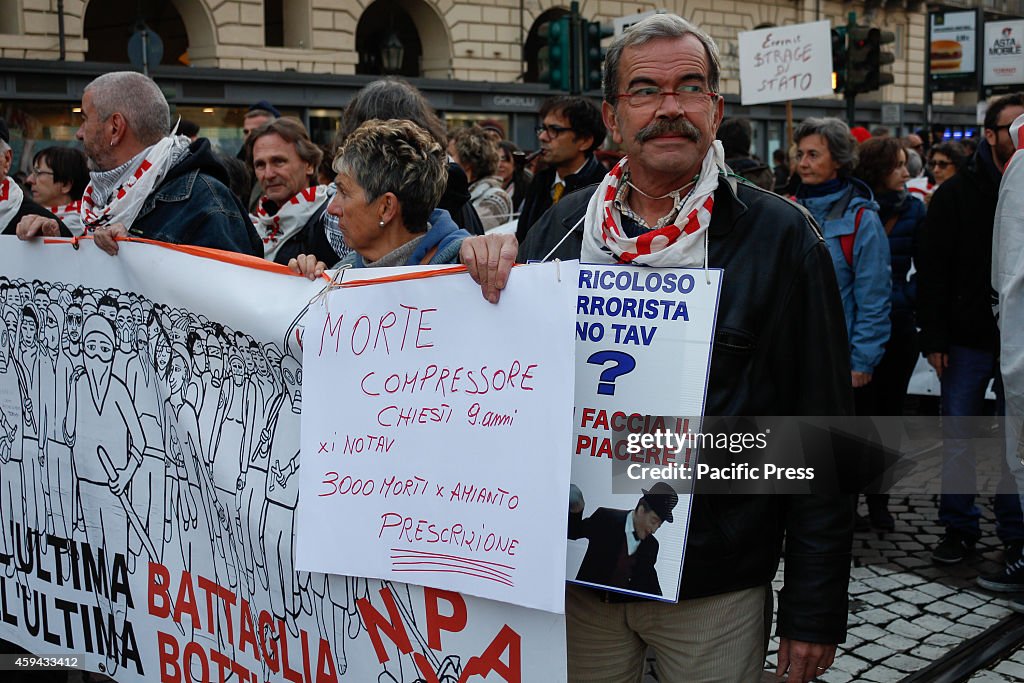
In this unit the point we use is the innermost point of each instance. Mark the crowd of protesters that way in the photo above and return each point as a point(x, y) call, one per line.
point(883, 247)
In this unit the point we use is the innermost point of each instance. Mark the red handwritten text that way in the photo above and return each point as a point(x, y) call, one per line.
point(365, 331)
point(434, 378)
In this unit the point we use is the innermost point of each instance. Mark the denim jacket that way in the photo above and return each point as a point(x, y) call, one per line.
point(866, 285)
point(194, 206)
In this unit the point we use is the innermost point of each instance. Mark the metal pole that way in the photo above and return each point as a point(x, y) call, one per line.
point(928, 79)
point(574, 48)
point(851, 97)
point(145, 52)
point(522, 39)
point(789, 124)
point(60, 29)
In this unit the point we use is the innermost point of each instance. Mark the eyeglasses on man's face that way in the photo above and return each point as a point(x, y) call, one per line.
point(938, 163)
point(39, 172)
point(552, 130)
point(650, 97)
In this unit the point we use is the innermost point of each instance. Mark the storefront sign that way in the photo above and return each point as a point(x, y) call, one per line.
point(1004, 61)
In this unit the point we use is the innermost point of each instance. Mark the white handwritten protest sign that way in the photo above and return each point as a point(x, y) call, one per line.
point(441, 457)
point(180, 375)
point(643, 353)
point(786, 63)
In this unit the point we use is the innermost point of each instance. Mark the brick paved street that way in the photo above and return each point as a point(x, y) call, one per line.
point(906, 612)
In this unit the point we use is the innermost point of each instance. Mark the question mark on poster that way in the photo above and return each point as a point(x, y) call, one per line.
point(623, 364)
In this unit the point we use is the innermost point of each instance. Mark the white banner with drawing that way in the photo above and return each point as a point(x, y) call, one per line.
point(149, 470)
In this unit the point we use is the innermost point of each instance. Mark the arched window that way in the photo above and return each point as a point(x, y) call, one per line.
point(534, 42)
point(388, 41)
point(108, 27)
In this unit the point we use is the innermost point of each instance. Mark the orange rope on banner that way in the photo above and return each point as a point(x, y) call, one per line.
point(231, 257)
point(247, 261)
point(434, 272)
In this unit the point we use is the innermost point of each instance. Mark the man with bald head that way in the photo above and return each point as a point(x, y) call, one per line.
point(145, 182)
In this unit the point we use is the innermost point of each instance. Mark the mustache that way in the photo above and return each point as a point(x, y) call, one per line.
point(659, 127)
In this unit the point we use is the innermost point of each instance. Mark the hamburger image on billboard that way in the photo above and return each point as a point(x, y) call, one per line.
point(946, 55)
point(953, 43)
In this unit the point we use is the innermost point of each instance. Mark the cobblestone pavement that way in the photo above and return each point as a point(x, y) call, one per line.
point(906, 612)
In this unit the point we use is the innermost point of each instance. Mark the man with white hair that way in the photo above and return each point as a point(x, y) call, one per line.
point(145, 182)
point(14, 205)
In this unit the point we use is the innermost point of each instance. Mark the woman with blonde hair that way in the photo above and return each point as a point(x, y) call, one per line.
point(476, 151)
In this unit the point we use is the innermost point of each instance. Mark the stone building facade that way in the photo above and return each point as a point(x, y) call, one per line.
point(469, 41)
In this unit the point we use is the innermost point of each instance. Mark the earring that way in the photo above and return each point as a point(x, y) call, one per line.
point(382, 224)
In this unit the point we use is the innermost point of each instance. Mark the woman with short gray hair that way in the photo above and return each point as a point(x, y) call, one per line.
point(391, 175)
point(842, 146)
point(845, 209)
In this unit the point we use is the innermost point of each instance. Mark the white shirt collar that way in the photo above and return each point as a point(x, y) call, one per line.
point(632, 542)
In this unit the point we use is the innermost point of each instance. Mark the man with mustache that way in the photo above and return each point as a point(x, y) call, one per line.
point(570, 131)
point(780, 348)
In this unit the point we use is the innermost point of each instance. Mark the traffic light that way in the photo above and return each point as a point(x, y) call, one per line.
point(593, 53)
point(556, 56)
point(866, 58)
point(877, 38)
point(839, 59)
point(858, 59)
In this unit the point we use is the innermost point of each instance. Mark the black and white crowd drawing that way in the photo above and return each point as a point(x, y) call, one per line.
point(156, 434)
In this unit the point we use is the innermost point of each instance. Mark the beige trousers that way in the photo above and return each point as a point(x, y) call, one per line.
point(718, 639)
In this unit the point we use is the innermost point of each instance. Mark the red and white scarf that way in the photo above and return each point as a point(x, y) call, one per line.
point(678, 244)
point(133, 187)
point(290, 219)
point(11, 197)
point(921, 187)
point(70, 214)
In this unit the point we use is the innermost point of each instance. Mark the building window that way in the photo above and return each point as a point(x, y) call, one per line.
point(108, 27)
point(387, 41)
point(533, 53)
point(9, 20)
point(273, 23)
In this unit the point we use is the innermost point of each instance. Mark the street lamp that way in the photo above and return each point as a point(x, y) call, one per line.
point(391, 54)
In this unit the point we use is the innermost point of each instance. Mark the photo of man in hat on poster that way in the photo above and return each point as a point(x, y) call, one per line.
point(622, 550)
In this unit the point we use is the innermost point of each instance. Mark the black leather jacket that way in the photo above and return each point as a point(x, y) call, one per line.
point(954, 260)
point(538, 195)
point(780, 349)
